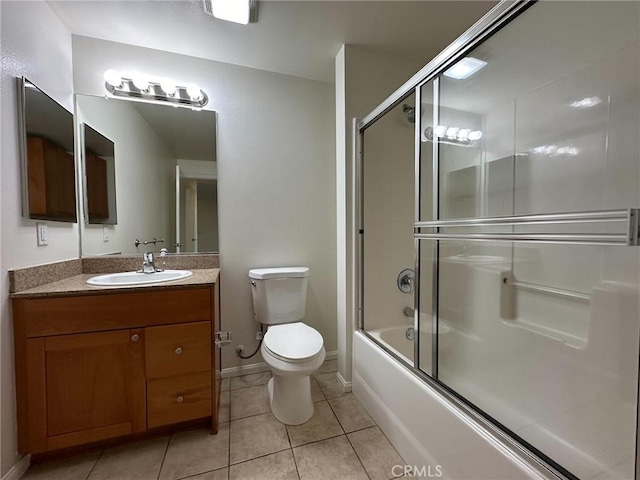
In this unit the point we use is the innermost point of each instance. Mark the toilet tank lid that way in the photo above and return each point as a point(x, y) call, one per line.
point(280, 272)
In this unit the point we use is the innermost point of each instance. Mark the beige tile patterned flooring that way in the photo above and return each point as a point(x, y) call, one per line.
point(340, 442)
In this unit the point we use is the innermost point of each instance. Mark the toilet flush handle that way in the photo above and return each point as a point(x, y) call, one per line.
point(253, 282)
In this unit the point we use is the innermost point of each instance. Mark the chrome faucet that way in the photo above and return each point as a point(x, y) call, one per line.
point(147, 264)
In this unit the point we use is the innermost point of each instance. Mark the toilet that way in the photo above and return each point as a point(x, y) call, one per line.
point(291, 349)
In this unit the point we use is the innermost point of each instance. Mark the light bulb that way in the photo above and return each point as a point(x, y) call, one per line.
point(475, 135)
point(440, 131)
point(141, 82)
point(194, 92)
point(452, 132)
point(113, 78)
point(168, 86)
point(463, 134)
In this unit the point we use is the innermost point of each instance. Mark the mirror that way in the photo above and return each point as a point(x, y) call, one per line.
point(100, 177)
point(164, 178)
point(48, 165)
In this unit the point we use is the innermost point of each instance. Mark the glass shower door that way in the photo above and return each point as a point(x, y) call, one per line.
point(537, 168)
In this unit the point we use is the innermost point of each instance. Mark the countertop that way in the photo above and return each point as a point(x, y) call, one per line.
point(77, 285)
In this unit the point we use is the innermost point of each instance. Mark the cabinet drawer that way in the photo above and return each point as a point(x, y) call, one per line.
point(176, 349)
point(178, 399)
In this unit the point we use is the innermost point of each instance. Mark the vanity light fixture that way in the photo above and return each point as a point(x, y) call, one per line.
point(463, 137)
point(465, 68)
point(141, 88)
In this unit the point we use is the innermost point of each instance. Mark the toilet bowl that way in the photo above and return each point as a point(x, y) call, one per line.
point(292, 350)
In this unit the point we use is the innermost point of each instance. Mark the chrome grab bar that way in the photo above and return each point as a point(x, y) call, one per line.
point(629, 237)
point(533, 287)
point(534, 219)
point(529, 238)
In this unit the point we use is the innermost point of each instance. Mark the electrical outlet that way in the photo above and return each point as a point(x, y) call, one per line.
point(259, 336)
point(105, 234)
point(42, 232)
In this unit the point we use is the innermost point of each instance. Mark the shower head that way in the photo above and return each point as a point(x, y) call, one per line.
point(410, 112)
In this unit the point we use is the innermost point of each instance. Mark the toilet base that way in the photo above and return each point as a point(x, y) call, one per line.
point(290, 398)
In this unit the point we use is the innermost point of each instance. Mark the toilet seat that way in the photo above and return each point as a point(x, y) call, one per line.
point(293, 342)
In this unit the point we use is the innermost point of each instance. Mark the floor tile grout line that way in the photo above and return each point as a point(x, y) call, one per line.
point(318, 441)
point(202, 473)
point(259, 456)
point(337, 418)
point(229, 441)
point(286, 428)
point(164, 457)
point(358, 457)
point(96, 463)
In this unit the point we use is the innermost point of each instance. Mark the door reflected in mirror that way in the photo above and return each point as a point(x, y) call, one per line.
point(162, 156)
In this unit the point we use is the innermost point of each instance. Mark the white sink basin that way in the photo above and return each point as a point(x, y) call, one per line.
point(136, 278)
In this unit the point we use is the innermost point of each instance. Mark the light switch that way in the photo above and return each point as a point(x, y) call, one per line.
point(105, 234)
point(43, 233)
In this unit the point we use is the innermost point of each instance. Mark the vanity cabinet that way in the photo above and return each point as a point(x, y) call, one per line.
point(95, 367)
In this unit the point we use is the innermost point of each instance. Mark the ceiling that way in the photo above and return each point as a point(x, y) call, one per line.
point(298, 38)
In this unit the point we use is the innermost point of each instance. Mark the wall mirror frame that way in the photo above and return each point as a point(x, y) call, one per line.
point(164, 177)
point(47, 163)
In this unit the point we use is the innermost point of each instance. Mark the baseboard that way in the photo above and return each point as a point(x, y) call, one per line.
point(262, 367)
point(19, 469)
point(346, 386)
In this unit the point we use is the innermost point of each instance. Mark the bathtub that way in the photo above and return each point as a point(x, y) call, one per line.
point(396, 340)
point(426, 426)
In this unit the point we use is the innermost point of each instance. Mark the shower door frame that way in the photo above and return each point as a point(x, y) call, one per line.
point(494, 20)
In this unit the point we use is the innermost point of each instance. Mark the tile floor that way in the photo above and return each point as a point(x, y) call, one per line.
point(340, 442)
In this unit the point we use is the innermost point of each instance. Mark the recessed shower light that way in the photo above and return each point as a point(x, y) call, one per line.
point(586, 102)
point(464, 68)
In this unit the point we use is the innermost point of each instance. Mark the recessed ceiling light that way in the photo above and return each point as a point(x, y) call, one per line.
point(464, 68)
point(237, 11)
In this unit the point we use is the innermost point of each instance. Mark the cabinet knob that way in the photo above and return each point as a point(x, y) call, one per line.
point(180, 399)
point(178, 351)
point(135, 337)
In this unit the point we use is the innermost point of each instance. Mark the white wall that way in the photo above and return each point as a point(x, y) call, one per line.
point(276, 170)
point(207, 216)
point(364, 78)
point(142, 164)
point(42, 53)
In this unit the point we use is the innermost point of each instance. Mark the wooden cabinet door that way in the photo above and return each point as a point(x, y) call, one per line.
point(52, 185)
point(97, 187)
point(95, 386)
point(67, 185)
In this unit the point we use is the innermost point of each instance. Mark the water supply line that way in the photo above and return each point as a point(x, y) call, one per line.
point(239, 350)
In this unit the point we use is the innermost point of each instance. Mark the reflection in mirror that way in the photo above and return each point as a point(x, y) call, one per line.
point(48, 170)
point(157, 148)
point(100, 178)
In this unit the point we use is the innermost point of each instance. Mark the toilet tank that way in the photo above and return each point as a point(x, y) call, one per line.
point(279, 294)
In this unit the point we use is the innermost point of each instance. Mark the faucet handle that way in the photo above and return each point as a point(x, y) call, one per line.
point(148, 257)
